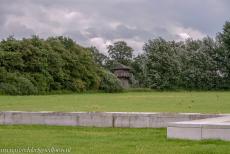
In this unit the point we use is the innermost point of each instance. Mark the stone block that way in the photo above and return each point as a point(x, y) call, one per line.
point(184, 133)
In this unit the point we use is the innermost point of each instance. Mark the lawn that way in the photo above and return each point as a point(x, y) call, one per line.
point(104, 140)
point(204, 102)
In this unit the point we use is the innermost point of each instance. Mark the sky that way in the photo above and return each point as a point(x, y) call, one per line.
point(100, 23)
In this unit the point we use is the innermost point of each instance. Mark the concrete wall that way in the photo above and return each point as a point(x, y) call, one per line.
point(210, 128)
point(221, 132)
point(99, 119)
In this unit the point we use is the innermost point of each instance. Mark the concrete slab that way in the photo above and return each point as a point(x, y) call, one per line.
point(210, 128)
point(184, 133)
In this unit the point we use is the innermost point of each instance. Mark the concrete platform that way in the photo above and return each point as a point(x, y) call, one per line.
point(210, 128)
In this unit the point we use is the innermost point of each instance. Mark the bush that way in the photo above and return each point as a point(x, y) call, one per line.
point(110, 83)
point(16, 85)
point(25, 86)
point(6, 88)
point(38, 66)
point(79, 85)
point(41, 81)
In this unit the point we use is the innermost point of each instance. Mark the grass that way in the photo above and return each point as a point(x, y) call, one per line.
point(112, 140)
point(105, 140)
point(204, 102)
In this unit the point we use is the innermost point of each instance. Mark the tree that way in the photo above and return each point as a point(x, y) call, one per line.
point(139, 70)
point(163, 65)
point(99, 57)
point(226, 35)
point(200, 65)
point(224, 44)
point(120, 52)
point(37, 66)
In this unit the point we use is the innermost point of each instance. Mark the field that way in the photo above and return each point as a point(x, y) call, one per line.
point(204, 102)
point(104, 140)
point(112, 140)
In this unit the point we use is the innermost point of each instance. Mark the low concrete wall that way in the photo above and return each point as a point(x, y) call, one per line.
point(99, 119)
point(210, 128)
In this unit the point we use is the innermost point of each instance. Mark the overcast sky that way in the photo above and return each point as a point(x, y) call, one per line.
point(102, 22)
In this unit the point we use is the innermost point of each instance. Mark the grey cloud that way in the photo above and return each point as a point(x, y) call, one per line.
point(109, 20)
point(121, 31)
point(16, 29)
point(77, 35)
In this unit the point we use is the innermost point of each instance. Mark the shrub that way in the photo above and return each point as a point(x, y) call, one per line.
point(110, 83)
point(25, 86)
point(79, 85)
point(39, 66)
point(7, 88)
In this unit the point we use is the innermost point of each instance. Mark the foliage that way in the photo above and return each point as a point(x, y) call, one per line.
point(120, 52)
point(99, 57)
point(13, 83)
point(38, 66)
point(139, 70)
point(191, 64)
point(110, 83)
point(224, 50)
point(226, 35)
point(163, 65)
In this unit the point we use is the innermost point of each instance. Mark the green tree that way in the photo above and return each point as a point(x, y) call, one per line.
point(37, 66)
point(163, 65)
point(120, 52)
point(226, 35)
point(99, 57)
point(139, 70)
point(224, 45)
point(200, 67)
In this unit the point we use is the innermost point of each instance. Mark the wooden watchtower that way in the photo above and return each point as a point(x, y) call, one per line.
point(123, 74)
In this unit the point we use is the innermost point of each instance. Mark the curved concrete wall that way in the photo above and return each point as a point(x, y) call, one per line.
point(99, 119)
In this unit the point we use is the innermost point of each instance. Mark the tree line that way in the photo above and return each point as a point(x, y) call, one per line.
point(39, 66)
point(190, 64)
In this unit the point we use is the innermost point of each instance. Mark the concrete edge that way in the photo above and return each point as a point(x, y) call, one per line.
point(100, 119)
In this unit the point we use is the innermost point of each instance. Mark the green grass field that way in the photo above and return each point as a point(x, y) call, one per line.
point(113, 140)
point(105, 140)
point(204, 102)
